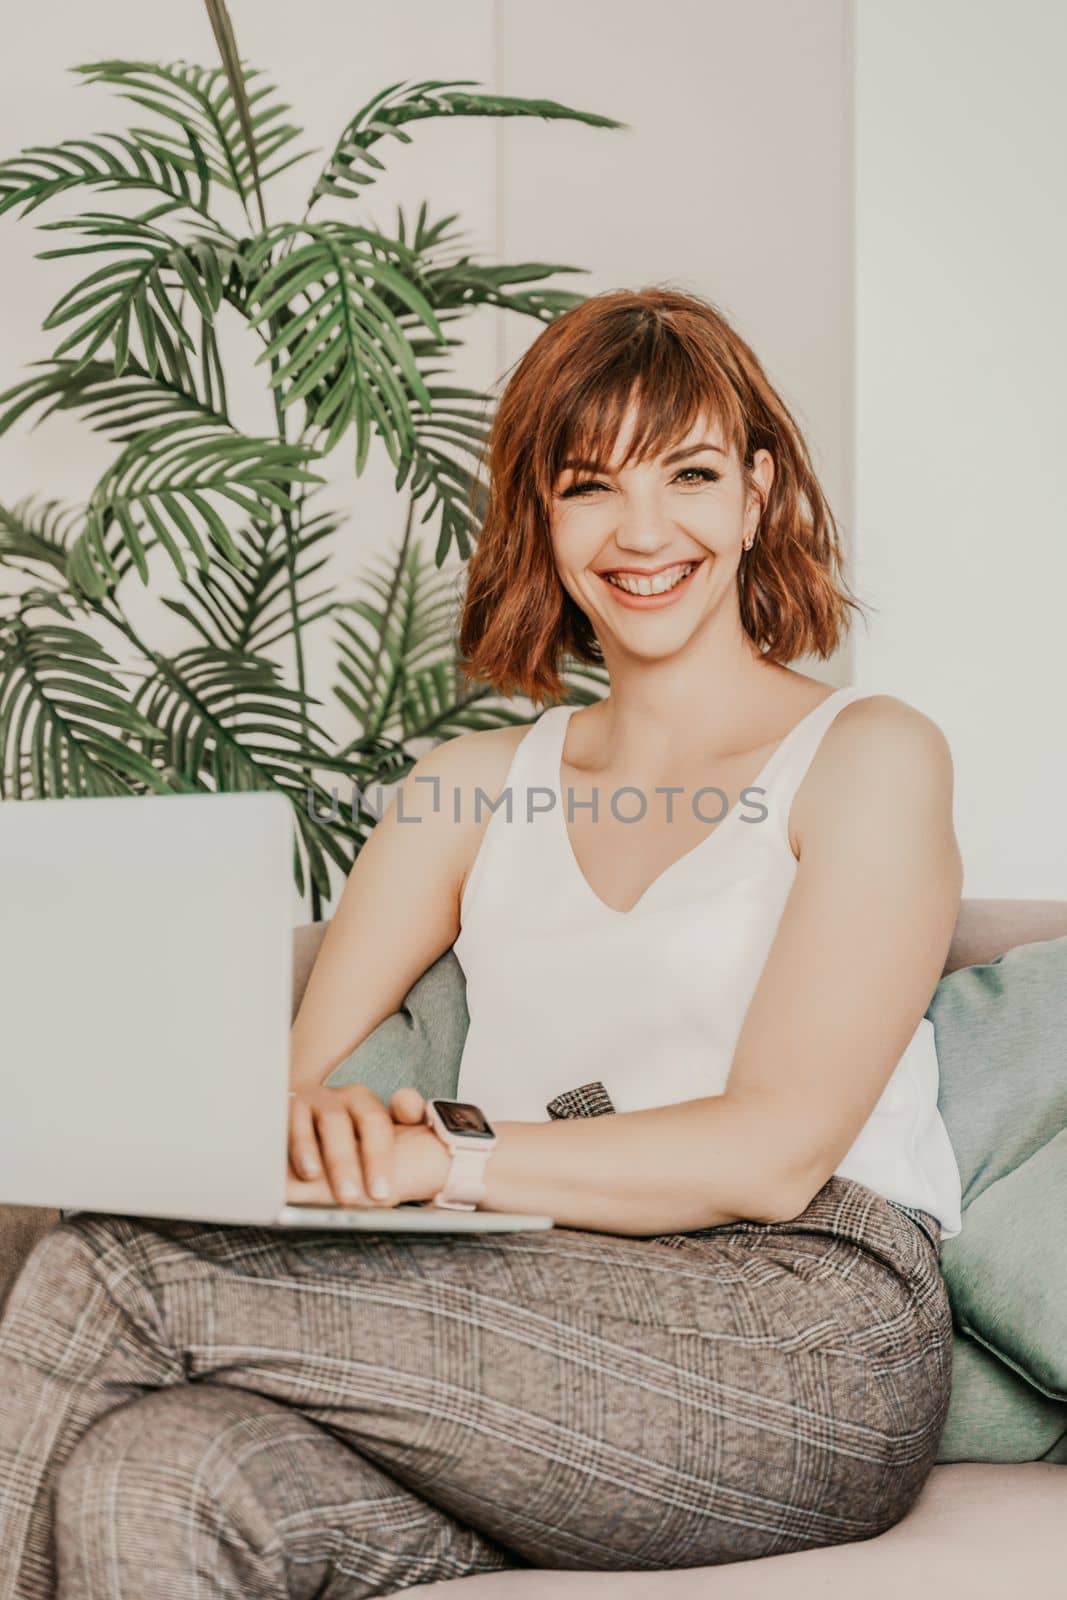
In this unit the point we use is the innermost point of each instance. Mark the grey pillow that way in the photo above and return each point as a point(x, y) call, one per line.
point(994, 1415)
point(1007, 1271)
point(1001, 1034)
point(421, 1044)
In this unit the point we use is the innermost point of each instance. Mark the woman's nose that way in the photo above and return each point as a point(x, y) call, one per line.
point(644, 527)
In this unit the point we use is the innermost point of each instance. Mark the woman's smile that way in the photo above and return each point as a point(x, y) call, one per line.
point(663, 588)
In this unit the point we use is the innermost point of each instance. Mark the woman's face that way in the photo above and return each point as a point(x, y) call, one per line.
point(669, 531)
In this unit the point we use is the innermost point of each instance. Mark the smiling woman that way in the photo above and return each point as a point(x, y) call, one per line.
point(693, 500)
point(704, 1055)
point(640, 398)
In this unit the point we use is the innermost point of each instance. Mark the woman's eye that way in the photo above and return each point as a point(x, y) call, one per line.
point(687, 474)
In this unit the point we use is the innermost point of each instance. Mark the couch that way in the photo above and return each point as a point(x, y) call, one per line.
point(976, 1528)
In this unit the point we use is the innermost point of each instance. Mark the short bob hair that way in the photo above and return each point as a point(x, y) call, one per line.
point(677, 357)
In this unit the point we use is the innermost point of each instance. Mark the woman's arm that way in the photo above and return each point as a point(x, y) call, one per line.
point(398, 912)
point(399, 909)
point(855, 962)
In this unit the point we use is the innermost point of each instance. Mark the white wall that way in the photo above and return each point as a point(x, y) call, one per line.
point(734, 179)
point(961, 510)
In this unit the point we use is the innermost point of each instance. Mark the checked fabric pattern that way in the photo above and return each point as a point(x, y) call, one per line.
point(198, 1410)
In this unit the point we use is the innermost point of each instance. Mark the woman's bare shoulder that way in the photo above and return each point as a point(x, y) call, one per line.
point(876, 739)
point(480, 758)
point(885, 718)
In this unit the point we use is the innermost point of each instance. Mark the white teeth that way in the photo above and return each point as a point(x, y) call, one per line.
point(656, 585)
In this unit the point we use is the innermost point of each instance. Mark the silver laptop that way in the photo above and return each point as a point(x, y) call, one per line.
point(146, 959)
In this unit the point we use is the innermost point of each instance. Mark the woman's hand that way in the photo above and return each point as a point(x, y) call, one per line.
point(347, 1148)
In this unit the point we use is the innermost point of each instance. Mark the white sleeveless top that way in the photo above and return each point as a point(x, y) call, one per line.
point(564, 990)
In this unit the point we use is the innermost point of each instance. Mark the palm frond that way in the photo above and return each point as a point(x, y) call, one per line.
point(222, 28)
point(230, 724)
point(198, 102)
point(250, 609)
point(107, 161)
point(168, 481)
point(66, 723)
point(339, 337)
point(396, 649)
point(405, 623)
point(455, 284)
point(139, 292)
point(452, 280)
point(442, 706)
point(352, 165)
point(397, 660)
point(118, 406)
point(37, 598)
point(433, 243)
point(457, 426)
point(471, 283)
point(44, 534)
point(38, 532)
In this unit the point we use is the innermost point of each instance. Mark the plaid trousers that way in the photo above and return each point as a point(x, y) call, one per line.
point(198, 1410)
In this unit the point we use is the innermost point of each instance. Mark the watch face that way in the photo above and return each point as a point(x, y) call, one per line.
point(459, 1116)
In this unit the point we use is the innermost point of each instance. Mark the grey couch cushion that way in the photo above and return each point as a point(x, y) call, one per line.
point(1001, 1033)
point(995, 1415)
point(421, 1044)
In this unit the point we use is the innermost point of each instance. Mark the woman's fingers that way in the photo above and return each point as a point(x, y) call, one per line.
point(375, 1127)
point(351, 1134)
point(407, 1105)
point(337, 1141)
point(303, 1143)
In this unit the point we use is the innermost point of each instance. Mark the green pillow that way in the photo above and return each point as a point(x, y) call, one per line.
point(1001, 1036)
point(1007, 1271)
point(421, 1044)
point(995, 1416)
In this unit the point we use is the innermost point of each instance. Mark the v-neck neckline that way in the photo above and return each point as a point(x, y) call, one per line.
point(758, 782)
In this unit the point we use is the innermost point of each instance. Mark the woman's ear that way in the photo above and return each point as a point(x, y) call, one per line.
point(759, 478)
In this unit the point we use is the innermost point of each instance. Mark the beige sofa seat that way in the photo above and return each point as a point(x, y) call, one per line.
point(975, 1533)
point(976, 1530)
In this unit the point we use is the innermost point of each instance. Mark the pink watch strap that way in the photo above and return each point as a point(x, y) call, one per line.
point(465, 1185)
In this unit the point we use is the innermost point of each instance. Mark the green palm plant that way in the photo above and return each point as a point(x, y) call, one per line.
point(356, 344)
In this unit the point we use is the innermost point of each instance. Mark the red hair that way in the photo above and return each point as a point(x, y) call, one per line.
point(676, 358)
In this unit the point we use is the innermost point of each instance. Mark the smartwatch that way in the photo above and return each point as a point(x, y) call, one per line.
point(464, 1129)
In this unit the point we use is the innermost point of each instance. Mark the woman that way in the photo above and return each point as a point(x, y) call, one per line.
point(737, 1340)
